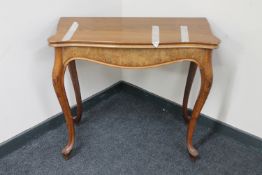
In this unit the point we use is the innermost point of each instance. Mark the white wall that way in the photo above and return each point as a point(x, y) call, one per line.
point(236, 93)
point(26, 92)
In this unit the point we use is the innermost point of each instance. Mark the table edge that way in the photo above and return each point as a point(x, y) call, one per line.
point(140, 46)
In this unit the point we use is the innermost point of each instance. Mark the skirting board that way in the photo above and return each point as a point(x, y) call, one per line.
point(55, 121)
point(204, 120)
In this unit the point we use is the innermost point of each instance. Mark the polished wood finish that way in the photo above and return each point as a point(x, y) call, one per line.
point(133, 58)
point(58, 82)
point(189, 82)
point(206, 82)
point(126, 43)
point(74, 77)
point(132, 32)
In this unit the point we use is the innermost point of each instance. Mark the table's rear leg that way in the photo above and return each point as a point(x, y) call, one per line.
point(189, 82)
point(74, 77)
point(206, 82)
point(58, 83)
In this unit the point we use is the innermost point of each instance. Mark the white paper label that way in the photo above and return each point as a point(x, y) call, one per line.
point(69, 34)
point(155, 36)
point(184, 34)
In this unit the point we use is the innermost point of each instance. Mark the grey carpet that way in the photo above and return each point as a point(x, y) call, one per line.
point(127, 134)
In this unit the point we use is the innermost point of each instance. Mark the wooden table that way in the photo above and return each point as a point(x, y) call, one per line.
point(127, 43)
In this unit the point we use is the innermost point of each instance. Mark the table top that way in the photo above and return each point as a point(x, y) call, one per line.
point(133, 32)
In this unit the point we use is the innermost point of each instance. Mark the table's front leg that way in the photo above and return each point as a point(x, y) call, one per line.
point(74, 77)
point(206, 82)
point(58, 83)
point(189, 82)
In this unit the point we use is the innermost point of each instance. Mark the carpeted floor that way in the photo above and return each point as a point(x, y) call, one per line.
point(129, 135)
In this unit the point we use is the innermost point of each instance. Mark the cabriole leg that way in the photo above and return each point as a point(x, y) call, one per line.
point(206, 82)
point(74, 78)
point(189, 82)
point(58, 83)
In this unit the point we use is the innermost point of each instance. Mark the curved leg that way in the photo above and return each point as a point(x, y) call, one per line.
point(58, 83)
point(206, 82)
point(74, 77)
point(189, 82)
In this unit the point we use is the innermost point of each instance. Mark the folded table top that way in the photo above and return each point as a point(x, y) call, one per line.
point(132, 32)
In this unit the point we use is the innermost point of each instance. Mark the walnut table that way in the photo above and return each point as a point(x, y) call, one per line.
point(133, 43)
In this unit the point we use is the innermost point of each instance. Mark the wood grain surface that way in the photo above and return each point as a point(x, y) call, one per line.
point(132, 32)
point(127, 43)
